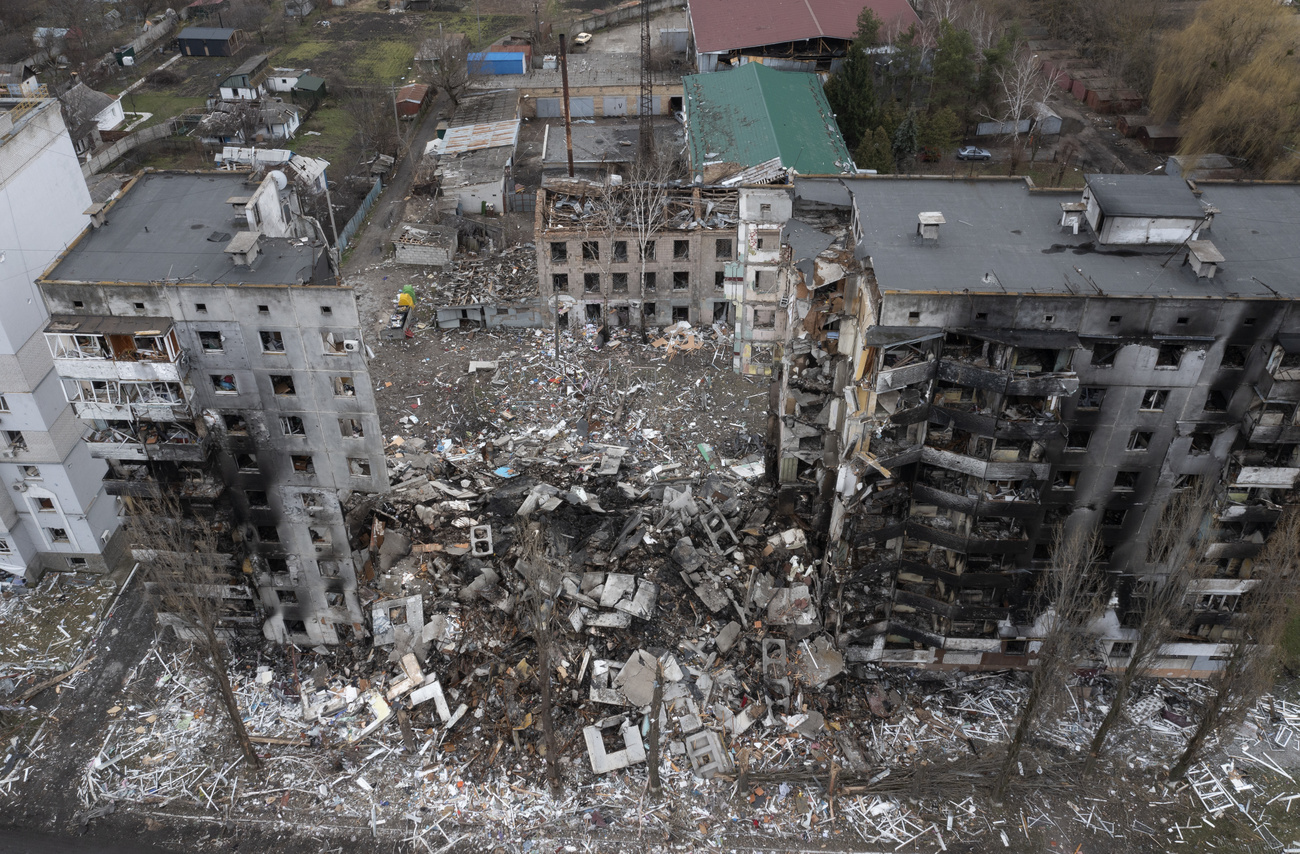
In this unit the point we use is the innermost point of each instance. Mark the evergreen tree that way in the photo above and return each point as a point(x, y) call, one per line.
point(906, 143)
point(939, 130)
point(954, 74)
point(875, 152)
point(852, 96)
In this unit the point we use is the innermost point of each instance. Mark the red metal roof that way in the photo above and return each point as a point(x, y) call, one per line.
point(412, 92)
point(718, 26)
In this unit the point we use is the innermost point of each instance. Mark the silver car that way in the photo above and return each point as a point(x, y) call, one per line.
point(970, 152)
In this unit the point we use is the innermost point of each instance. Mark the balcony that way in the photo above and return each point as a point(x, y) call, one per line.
point(135, 349)
point(982, 469)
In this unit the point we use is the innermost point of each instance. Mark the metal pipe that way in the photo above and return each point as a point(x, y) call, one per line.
point(568, 125)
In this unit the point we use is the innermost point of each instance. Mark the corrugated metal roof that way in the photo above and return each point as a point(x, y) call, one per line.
point(753, 114)
point(207, 33)
point(412, 92)
point(486, 135)
point(719, 25)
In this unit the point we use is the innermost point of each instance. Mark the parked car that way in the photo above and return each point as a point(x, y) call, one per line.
point(582, 38)
point(970, 152)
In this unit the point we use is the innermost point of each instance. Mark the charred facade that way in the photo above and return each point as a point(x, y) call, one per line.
point(971, 368)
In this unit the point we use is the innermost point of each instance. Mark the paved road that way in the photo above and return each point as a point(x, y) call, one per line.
point(17, 841)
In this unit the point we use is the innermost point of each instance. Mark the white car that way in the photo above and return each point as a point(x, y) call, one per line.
point(582, 39)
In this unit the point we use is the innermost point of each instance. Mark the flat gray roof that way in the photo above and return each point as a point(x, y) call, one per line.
point(592, 144)
point(175, 227)
point(1000, 236)
point(1144, 195)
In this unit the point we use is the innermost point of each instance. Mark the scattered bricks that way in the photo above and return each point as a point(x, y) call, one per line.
point(602, 762)
point(727, 637)
point(704, 749)
point(480, 540)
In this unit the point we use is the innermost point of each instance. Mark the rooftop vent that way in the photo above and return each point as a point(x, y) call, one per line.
point(243, 248)
point(927, 224)
point(1072, 215)
point(98, 214)
point(1204, 258)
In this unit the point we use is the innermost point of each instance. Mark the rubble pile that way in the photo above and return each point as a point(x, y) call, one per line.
point(45, 628)
point(501, 277)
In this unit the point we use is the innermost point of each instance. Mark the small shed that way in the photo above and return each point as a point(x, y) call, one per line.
point(420, 243)
point(308, 90)
point(246, 83)
point(17, 79)
point(1083, 79)
point(1162, 139)
point(497, 62)
point(410, 99)
point(1129, 124)
point(209, 41)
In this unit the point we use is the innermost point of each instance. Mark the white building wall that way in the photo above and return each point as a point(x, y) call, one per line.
point(43, 197)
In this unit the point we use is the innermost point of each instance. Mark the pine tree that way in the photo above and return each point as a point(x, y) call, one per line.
point(906, 144)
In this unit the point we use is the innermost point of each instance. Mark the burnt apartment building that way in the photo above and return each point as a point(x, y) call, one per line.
point(590, 261)
point(204, 339)
point(970, 366)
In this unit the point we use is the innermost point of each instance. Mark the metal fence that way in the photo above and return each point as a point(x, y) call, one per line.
point(345, 236)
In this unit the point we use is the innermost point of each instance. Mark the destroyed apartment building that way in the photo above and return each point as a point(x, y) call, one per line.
point(972, 366)
point(215, 357)
point(601, 261)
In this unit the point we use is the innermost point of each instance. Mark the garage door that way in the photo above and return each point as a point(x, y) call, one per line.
point(582, 107)
point(549, 108)
point(553, 108)
point(615, 106)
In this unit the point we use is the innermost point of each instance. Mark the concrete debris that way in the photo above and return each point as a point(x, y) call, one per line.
point(602, 760)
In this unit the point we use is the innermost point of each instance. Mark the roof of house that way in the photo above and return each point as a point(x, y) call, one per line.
point(1002, 238)
point(718, 25)
point(1144, 195)
point(752, 114)
point(83, 103)
point(310, 83)
point(207, 33)
point(484, 165)
point(415, 92)
point(15, 72)
point(174, 226)
point(250, 65)
point(496, 106)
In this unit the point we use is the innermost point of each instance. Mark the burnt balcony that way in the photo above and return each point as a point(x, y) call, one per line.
point(127, 441)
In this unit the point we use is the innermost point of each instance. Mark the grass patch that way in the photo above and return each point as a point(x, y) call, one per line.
point(335, 126)
point(163, 105)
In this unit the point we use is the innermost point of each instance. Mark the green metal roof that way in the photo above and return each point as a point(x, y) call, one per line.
point(752, 114)
point(310, 83)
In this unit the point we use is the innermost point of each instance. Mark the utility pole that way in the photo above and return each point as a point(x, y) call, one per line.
point(568, 125)
point(645, 108)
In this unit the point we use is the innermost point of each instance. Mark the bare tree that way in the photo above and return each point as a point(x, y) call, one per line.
point(373, 114)
point(449, 71)
point(642, 205)
point(1252, 639)
point(542, 584)
point(193, 583)
point(1070, 594)
point(1160, 598)
point(1022, 85)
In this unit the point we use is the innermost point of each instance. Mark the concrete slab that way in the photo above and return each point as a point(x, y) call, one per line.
point(637, 678)
point(704, 749)
point(602, 762)
point(727, 637)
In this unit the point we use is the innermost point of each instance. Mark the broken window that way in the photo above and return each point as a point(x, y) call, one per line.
point(358, 467)
point(234, 422)
point(681, 250)
point(272, 342)
point(722, 312)
point(319, 536)
point(211, 341)
point(282, 384)
point(681, 312)
point(1170, 355)
point(681, 280)
point(764, 318)
point(649, 309)
point(719, 278)
point(4, 404)
point(328, 568)
point(722, 249)
point(351, 428)
point(224, 384)
point(1201, 443)
point(559, 281)
point(648, 282)
point(1121, 650)
point(268, 534)
point(593, 312)
point(559, 251)
point(16, 440)
point(591, 283)
point(1017, 647)
point(1104, 353)
point(590, 250)
point(343, 387)
point(303, 463)
point(1127, 479)
point(326, 310)
point(648, 251)
point(618, 249)
point(58, 535)
point(201, 307)
point(45, 505)
point(1139, 440)
point(293, 425)
point(5, 548)
point(1113, 518)
point(332, 343)
point(1216, 401)
point(1065, 479)
point(246, 462)
point(311, 501)
point(31, 472)
point(287, 597)
point(1078, 440)
point(1154, 399)
point(256, 498)
point(618, 283)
